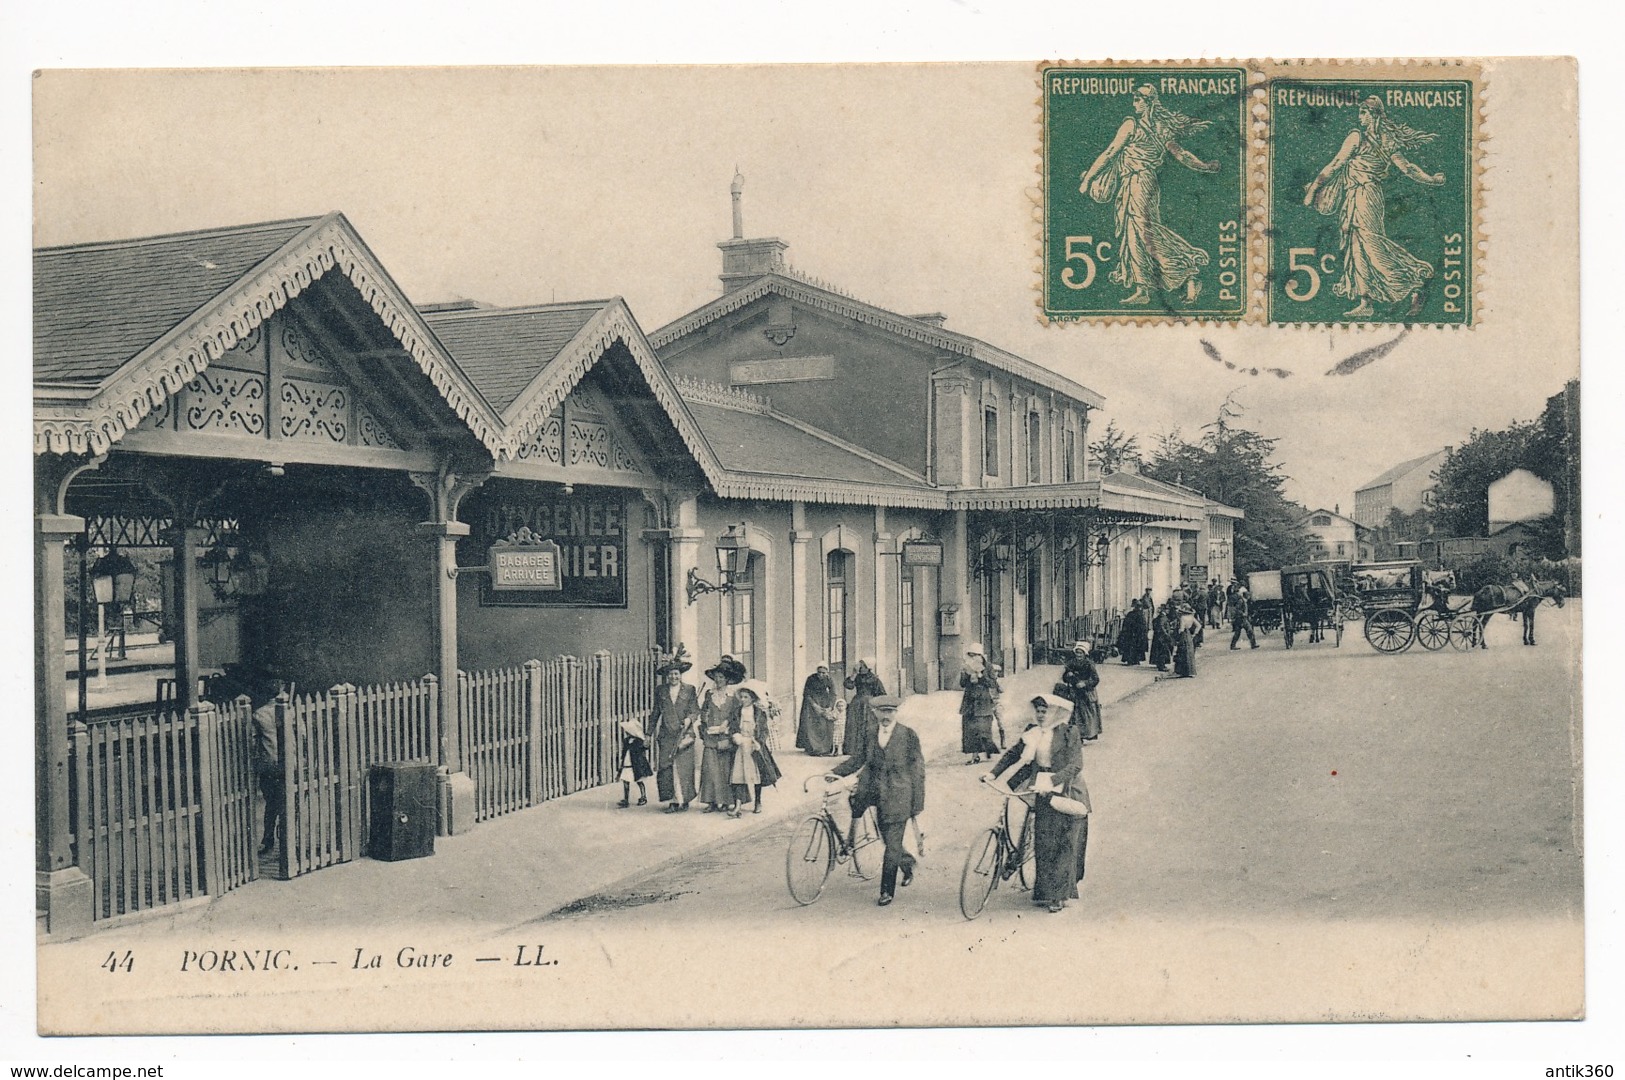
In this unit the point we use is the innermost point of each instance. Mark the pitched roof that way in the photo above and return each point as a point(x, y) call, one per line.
point(97, 305)
point(503, 350)
point(1401, 469)
point(755, 442)
point(923, 331)
point(175, 304)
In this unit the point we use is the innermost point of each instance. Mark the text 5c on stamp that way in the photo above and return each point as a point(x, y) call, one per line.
point(1371, 200)
point(1145, 184)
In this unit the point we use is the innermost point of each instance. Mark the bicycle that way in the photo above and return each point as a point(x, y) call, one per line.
point(994, 856)
point(818, 844)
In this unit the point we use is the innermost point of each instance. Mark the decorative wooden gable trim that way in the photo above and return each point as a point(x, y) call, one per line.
point(531, 412)
point(279, 383)
point(582, 433)
point(174, 361)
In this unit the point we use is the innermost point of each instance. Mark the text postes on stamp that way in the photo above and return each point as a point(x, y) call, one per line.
point(1371, 200)
point(1145, 179)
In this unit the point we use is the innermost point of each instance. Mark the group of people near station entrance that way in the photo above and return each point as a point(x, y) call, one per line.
point(1170, 633)
point(722, 732)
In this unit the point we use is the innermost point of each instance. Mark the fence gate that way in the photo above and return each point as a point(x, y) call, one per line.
point(162, 806)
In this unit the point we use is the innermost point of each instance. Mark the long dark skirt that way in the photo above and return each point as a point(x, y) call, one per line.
point(1058, 843)
point(1131, 642)
point(716, 769)
point(976, 735)
point(857, 725)
point(1162, 650)
point(816, 733)
point(1185, 656)
point(1086, 714)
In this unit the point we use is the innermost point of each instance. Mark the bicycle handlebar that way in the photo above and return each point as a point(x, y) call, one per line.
point(1006, 793)
point(841, 784)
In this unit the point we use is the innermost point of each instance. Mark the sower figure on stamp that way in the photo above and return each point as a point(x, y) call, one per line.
point(675, 726)
point(1151, 256)
point(1349, 188)
point(893, 782)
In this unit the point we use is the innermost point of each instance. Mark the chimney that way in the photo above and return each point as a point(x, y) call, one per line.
point(743, 261)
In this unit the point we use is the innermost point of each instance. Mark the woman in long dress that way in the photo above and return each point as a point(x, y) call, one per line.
point(864, 684)
point(978, 707)
point(815, 732)
point(1050, 755)
point(1349, 188)
point(753, 765)
point(1081, 679)
point(1132, 634)
point(1150, 256)
point(718, 715)
point(1162, 638)
point(1185, 624)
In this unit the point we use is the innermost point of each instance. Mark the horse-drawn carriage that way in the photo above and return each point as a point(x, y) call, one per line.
point(1403, 604)
point(1298, 600)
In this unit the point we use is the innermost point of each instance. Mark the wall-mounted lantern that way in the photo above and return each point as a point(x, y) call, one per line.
point(732, 546)
point(1097, 553)
point(1152, 552)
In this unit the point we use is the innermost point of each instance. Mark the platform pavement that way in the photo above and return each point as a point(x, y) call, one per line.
point(521, 867)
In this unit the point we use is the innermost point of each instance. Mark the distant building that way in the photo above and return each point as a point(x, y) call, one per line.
point(1408, 487)
point(1519, 496)
point(1333, 537)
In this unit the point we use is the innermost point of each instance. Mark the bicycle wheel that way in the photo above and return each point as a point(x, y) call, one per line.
point(867, 850)
point(1027, 868)
point(1466, 633)
point(981, 874)
point(808, 859)
point(1432, 632)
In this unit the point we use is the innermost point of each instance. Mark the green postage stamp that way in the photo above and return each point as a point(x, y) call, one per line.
point(1145, 183)
point(1371, 196)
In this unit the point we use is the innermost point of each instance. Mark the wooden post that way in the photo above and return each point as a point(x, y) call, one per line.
point(570, 699)
point(286, 859)
point(608, 735)
point(349, 765)
point(201, 717)
point(62, 890)
point(533, 730)
point(185, 541)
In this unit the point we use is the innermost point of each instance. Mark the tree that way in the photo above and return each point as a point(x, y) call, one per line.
point(1463, 505)
point(1114, 447)
point(1235, 466)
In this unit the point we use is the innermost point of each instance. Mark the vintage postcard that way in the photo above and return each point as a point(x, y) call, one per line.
point(613, 548)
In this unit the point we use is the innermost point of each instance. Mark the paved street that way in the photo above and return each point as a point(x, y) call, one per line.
point(1326, 833)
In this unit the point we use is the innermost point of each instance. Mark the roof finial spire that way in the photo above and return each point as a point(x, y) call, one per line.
point(736, 189)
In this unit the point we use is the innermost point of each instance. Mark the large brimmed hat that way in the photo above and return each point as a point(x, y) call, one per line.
point(728, 669)
point(1053, 703)
point(975, 649)
point(675, 663)
point(755, 688)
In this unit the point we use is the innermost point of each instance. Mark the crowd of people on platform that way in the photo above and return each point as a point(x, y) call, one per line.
point(1170, 633)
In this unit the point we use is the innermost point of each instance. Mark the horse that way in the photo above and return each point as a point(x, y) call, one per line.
point(1516, 599)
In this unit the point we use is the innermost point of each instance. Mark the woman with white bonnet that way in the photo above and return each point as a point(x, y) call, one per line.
point(978, 707)
point(1050, 755)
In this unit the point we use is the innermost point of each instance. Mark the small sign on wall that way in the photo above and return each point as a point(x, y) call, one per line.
point(922, 553)
point(522, 566)
point(948, 620)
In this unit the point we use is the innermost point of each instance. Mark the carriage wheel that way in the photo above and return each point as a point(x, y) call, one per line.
point(1432, 632)
point(1389, 630)
point(1466, 632)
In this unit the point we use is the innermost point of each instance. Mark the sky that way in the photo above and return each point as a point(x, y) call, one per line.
point(910, 186)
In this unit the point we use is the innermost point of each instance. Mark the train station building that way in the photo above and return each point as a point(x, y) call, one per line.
point(460, 535)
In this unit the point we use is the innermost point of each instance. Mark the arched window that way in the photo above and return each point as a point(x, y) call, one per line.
point(740, 612)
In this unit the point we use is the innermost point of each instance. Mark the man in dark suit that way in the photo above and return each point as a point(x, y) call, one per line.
point(893, 782)
point(673, 725)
